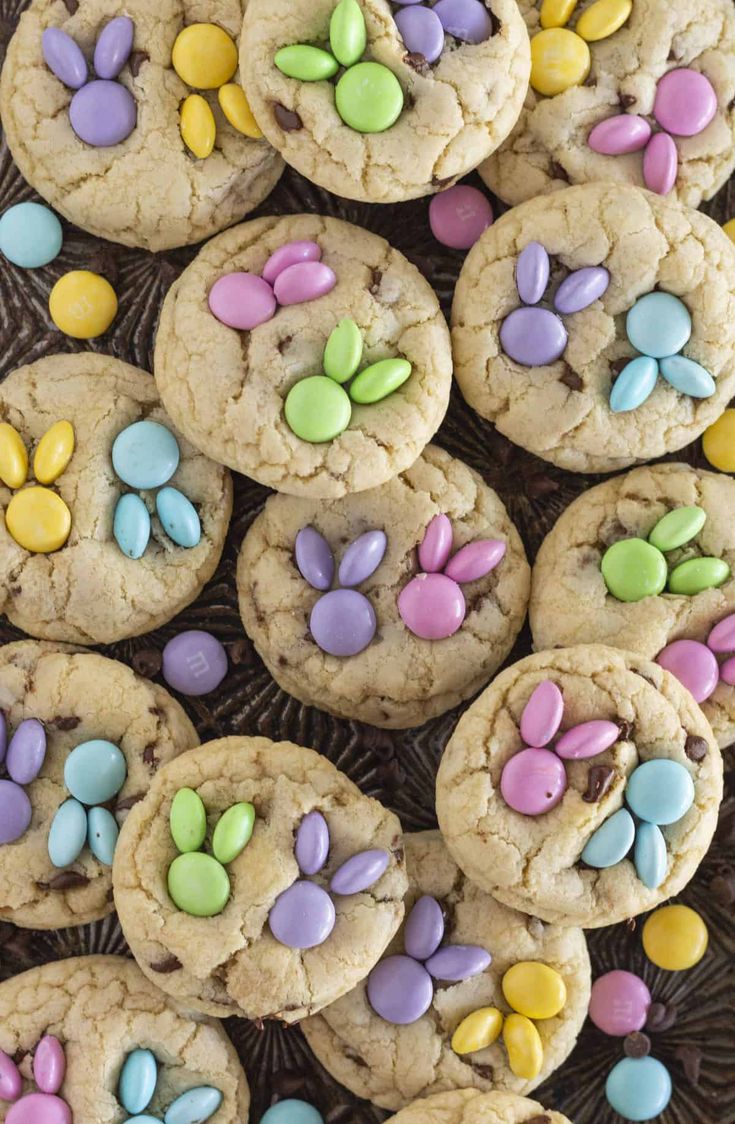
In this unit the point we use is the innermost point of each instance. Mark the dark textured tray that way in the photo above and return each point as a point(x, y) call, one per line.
point(397, 768)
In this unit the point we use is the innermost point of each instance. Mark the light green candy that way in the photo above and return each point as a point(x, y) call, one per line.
point(232, 833)
point(188, 820)
point(633, 569)
point(317, 409)
point(198, 884)
point(309, 64)
point(677, 528)
point(369, 97)
point(698, 574)
point(343, 352)
point(378, 381)
point(347, 32)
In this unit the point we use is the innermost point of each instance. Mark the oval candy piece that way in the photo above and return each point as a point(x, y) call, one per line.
point(304, 281)
point(145, 454)
point(424, 928)
point(626, 132)
point(291, 1111)
point(291, 254)
point(347, 33)
point(114, 44)
point(634, 384)
point(343, 352)
point(306, 63)
point(587, 740)
point(400, 990)
point(204, 56)
point(633, 569)
point(26, 752)
point(360, 872)
point(369, 97)
point(660, 791)
point(475, 560)
point(649, 855)
point(533, 781)
point(198, 884)
point(236, 108)
point(687, 377)
point(523, 1044)
point(602, 19)
point(362, 558)
point(13, 457)
point(534, 989)
point(15, 811)
point(63, 57)
point(421, 31)
point(466, 20)
point(302, 916)
point(533, 337)
point(718, 442)
point(11, 1083)
point(68, 833)
point(660, 164)
point(722, 636)
point(638, 1088)
point(698, 574)
point(39, 520)
point(131, 525)
point(179, 517)
point(432, 606)
point(557, 13)
point(457, 962)
point(581, 289)
point(477, 1031)
point(233, 832)
point(532, 272)
point(188, 821)
point(242, 301)
point(693, 664)
point(314, 558)
point(459, 215)
point(198, 127)
point(137, 1082)
point(39, 1108)
point(49, 1064)
point(678, 527)
point(53, 453)
point(95, 771)
point(343, 622)
point(727, 672)
point(312, 843)
point(610, 843)
point(675, 938)
point(102, 833)
point(436, 546)
point(103, 113)
point(379, 380)
point(194, 1106)
point(542, 714)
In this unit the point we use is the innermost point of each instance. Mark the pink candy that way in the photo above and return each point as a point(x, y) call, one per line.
point(459, 216)
point(619, 1003)
point(685, 102)
point(242, 301)
point(617, 135)
point(533, 781)
point(693, 664)
point(49, 1067)
point(436, 545)
point(542, 714)
point(587, 740)
point(475, 560)
point(49, 1064)
point(39, 1108)
point(722, 637)
point(432, 606)
point(10, 1079)
point(290, 254)
point(660, 164)
point(305, 281)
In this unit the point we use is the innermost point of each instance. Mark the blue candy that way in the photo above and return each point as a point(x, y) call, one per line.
point(638, 1088)
point(30, 235)
point(649, 855)
point(178, 517)
point(144, 1119)
point(611, 842)
point(658, 325)
point(137, 1082)
point(68, 833)
point(131, 525)
point(687, 377)
point(660, 791)
point(102, 833)
point(292, 1112)
point(194, 1106)
point(95, 771)
point(145, 454)
point(634, 384)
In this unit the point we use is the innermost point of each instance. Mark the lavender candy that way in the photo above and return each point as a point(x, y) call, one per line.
point(314, 558)
point(360, 872)
point(458, 962)
point(362, 558)
point(194, 662)
point(400, 990)
point(113, 47)
point(467, 20)
point(532, 272)
point(302, 916)
point(312, 843)
point(581, 289)
point(103, 113)
point(421, 31)
point(343, 622)
point(63, 57)
point(533, 337)
point(15, 811)
point(3, 736)
point(424, 928)
point(26, 751)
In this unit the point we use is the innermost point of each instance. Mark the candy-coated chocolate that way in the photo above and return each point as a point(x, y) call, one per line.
point(233, 832)
point(306, 63)
point(533, 337)
point(698, 574)
point(11, 1082)
point(15, 811)
point(634, 384)
point(113, 47)
point(53, 453)
point(362, 558)
point(13, 457)
point(542, 714)
point(179, 517)
point(660, 791)
point(198, 884)
point(103, 113)
point(459, 215)
point(602, 19)
point(343, 622)
point(727, 672)
point(649, 855)
point(236, 108)
point(626, 132)
point(466, 20)
point(137, 1081)
point(619, 1003)
point(587, 740)
point(534, 989)
point(198, 127)
point(424, 928)
point(30, 235)
point(204, 56)
point(685, 102)
point(39, 520)
point(292, 1112)
point(693, 664)
point(722, 636)
point(303, 281)
point(436, 545)
point(360, 872)
point(369, 97)
point(314, 558)
point(660, 164)
point(659, 324)
point(638, 1088)
point(687, 377)
point(455, 962)
point(194, 1106)
point(242, 300)
point(400, 990)
point(290, 254)
point(477, 1031)
point(678, 527)
point(131, 525)
point(102, 833)
point(145, 454)
point(475, 560)
point(82, 304)
point(559, 59)
point(581, 289)
point(302, 916)
point(532, 272)
point(379, 380)
point(633, 569)
point(729, 228)
point(343, 351)
point(347, 33)
point(26, 751)
point(39, 1108)
point(312, 843)
point(610, 843)
point(718, 442)
point(422, 33)
point(523, 1044)
point(3, 737)
point(194, 662)
point(67, 834)
point(557, 13)
point(63, 57)
point(188, 823)
point(432, 606)
point(95, 771)
point(675, 938)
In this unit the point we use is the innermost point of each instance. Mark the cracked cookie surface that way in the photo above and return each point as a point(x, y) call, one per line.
point(548, 148)
point(399, 680)
point(102, 1007)
point(455, 112)
point(561, 412)
point(392, 1065)
point(231, 964)
point(148, 191)
point(570, 603)
point(225, 389)
point(469, 1106)
point(89, 592)
point(532, 863)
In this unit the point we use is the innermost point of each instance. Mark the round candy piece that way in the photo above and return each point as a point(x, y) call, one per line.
point(477, 1031)
point(379, 380)
point(49, 1064)
point(179, 517)
point(317, 409)
point(343, 622)
point(198, 884)
point(685, 102)
point(188, 822)
point(194, 1106)
point(102, 833)
point(30, 235)
point(619, 1003)
point(347, 33)
point(422, 34)
point(306, 63)
point(659, 324)
point(581, 289)
point(53, 452)
point(457, 962)
point(602, 19)
point(360, 872)
point(400, 990)
point(534, 989)
point(461, 214)
point(194, 662)
point(559, 59)
point(39, 520)
point(533, 781)
point(649, 855)
point(63, 57)
point(722, 636)
point(466, 20)
point(26, 751)
point(131, 525)
point(475, 560)
point(95, 771)
point(634, 384)
point(633, 569)
point(436, 545)
point(242, 301)
point(610, 843)
point(432, 606)
point(233, 832)
point(103, 113)
point(236, 108)
point(343, 352)
point(660, 791)
point(369, 97)
point(660, 163)
point(533, 337)
point(693, 664)
point(312, 843)
point(424, 928)
point(204, 56)
point(314, 558)
point(542, 714)
point(687, 377)
point(362, 558)
point(290, 254)
point(678, 527)
point(302, 916)
point(638, 1088)
point(626, 132)
point(292, 1112)
point(15, 812)
point(675, 938)
point(698, 574)
point(39, 1108)
point(198, 126)
point(523, 1044)
point(532, 272)
point(718, 442)
point(82, 304)
point(67, 834)
point(587, 740)
point(137, 1082)
point(114, 44)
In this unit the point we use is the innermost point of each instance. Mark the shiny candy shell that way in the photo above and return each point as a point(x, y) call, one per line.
point(459, 215)
point(634, 384)
point(610, 843)
point(113, 47)
point(422, 33)
point(722, 636)
point(557, 13)
point(633, 569)
point(82, 304)
point(11, 1082)
point(204, 56)
point(660, 163)
point(236, 108)
point(532, 272)
point(718, 442)
point(685, 102)
point(95, 771)
point(39, 520)
point(675, 938)
point(659, 324)
point(477, 1031)
point(432, 606)
point(369, 97)
point(542, 714)
point(304, 281)
point(559, 59)
point(698, 574)
point(619, 1003)
point(523, 1044)
point(660, 791)
point(194, 662)
point(581, 289)
point(475, 560)
point(103, 113)
point(347, 33)
point(198, 126)
point(30, 235)
point(233, 832)
point(131, 525)
point(533, 337)
point(179, 517)
point(343, 352)
point(466, 20)
point(145, 454)
point(26, 752)
point(194, 1106)
point(626, 132)
point(693, 664)
point(649, 855)
point(292, 1112)
point(15, 811)
point(306, 63)
point(137, 1082)
point(638, 1088)
point(290, 254)
point(534, 989)
point(63, 57)
point(379, 380)
point(53, 453)
point(39, 1108)
point(102, 833)
point(49, 1064)
point(587, 740)
point(455, 962)
point(343, 622)
point(188, 821)
point(314, 558)
point(242, 300)
point(436, 545)
point(360, 872)
point(424, 928)
point(687, 376)
point(312, 843)
point(302, 916)
point(400, 990)
point(678, 527)
point(198, 884)
point(602, 19)
point(68, 833)
point(362, 558)
point(13, 457)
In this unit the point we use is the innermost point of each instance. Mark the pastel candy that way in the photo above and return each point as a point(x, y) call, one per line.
point(685, 102)
point(559, 59)
point(114, 44)
point(360, 872)
point(400, 990)
point(179, 517)
point(675, 938)
point(343, 352)
point(194, 1106)
point(660, 791)
point(424, 928)
point(13, 457)
point(687, 376)
point(95, 771)
point(362, 558)
point(626, 132)
point(660, 164)
point(659, 324)
point(131, 525)
point(204, 56)
point(369, 97)
point(30, 235)
point(290, 254)
point(292, 1112)
point(233, 832)
point(533, 781)
point(39, 1108)
point(68, 833)
point(198, 884)
point(304, 281)
point(436, 547)
point(145, 454)
point(466, 20)
point(727, 672)
point(379, 380)
point(542, 714)
point(343, 622)
point(698, 574)
point(11, 1082)
point(603, 18)
point(194, 662)
point(638, 1088)
point(421, 31)
point(459, 215)
point(3, 736)
point(314, 558)
point(678, 527)
point(477, 1031)
point(102, 833)
point(523, 1045)
point(532, 272)
point(242, 301)
point(302, 916)
point(633, 569)
point(26, 752)
point(693, 664)
point(312, 843)
point(198, 126)
point(611, 842)
point(53, 452)
point(63, 57)
point(581, 289)
point(619, 1003)
point(722, 636)
point(556, 13)
point(317, 409)
point(533, 337)
point(306, 63)
point(457, 962)
point(432, 606)
point(534, 989)
point(103, 113)
point(187, 821)
point(475, 560)
point(649, 855)
point(137, 1081)
point(15, 811)
point(587, 740)
point(347, 33)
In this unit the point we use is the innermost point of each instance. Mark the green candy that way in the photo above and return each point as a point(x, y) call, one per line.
point(317, 409)
point(378, 381)
point(343, 352)
point(188, 820)
point(633, 569)
point(198, 884)
point(677, 528)
point(347, 32)
point(309, 64)
point(369, 97)
point(232, 833)
point(698, 574)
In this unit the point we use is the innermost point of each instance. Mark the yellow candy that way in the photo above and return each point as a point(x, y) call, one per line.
point(603, 18)
point(198, 127)
point(38, 519)
point(557, 13)
point(559, 59)
point(13, 457)
point(534, 990)
point(729, 228)
point(204, 56)
point(82, 304)
point(54, 452)
point(719, 442)
point(478, 1030)
point(675, 938)
point(236, 109)
point(523, 1043)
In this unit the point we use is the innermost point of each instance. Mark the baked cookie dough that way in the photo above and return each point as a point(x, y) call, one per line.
point(226, 388)
point(78, 697)
point(148, 190)
point(455, 111)
point(548, 148)
point(89, 591)
point(468, 1106)
point(392, 1064)
point(100, 1009)
point(399, 679)
point(231, 963)
point(571, 604)
point(532, 861)
point(561, 409)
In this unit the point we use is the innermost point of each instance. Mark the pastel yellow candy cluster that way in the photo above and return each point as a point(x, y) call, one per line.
point(675, 938)
point(82, 304)
point(718, 442)
point(205, 57)
point(37, 518)
point(561, 58)
point(533, 991)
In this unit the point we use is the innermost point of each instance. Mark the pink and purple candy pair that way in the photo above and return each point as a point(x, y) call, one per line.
point(695, 664)
point(49, 1068)
point(423, 29)
point(23, 758)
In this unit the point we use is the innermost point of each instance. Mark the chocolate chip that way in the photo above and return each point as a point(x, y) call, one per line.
point(355, 1058)
point(442, 181)
point(136, 60)
point(637, 1045)
point(695, 748)
point(147, 662)
point(65, 722)
point(558, 172)
point(690, 1057)
point(626, 100)
point(149, 756)
point(722, 888)
point(571, 379)
point(287, 119)
point(417, 62)
point(485, 1071)
point(661, 1017)
point(128, 802)
point(617, 366)
point(170, 964)
point(375, 280)
point(599, 779)
point(284, 343)
point(67, 880)
point(71, 6)
point(625, 729)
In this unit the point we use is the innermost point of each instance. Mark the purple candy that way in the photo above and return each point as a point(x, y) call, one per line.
point(290, 254)
point(312, 843)
point(458, 962)
point(721, 638)
point(533, 337)
point(303, 282)
point(3, 736)
point(343, 622)
point(194, 662)
point(314, 558)
point(15, 811)
point(436, 545)
point(468, 20)
point(581, 288)
point(113, 47)
point(26, 751)
point(532, 272)
point(424, 928)
point(400, 990)
point(587, 740)
point(360, 872)
point(103, 113)
point(421, 31)
point(63, 57)
point(302, 916)
point(362, 558)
